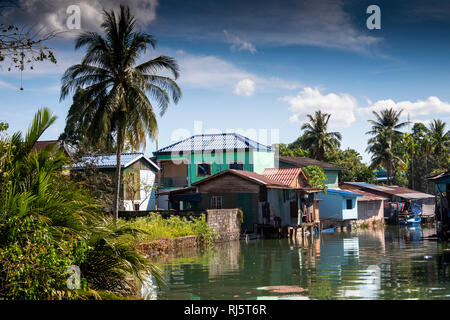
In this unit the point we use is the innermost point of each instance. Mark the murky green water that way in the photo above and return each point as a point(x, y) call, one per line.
point(395, 263)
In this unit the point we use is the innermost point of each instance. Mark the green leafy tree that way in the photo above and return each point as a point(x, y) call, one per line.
point(316, 177)
point(117, 86)
point(317, 137)
point(354, 169)
point(286, 150)
point(21, 46)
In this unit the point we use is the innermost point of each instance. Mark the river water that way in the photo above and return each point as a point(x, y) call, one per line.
point(391, 263)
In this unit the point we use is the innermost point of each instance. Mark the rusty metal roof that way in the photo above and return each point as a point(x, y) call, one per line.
point(41, 145)
point(392, 190)
point(304, 162)
point(285, 176)
point(251, 176)
point(367, 195)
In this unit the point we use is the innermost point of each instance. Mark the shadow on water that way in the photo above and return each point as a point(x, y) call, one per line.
point(391, 263)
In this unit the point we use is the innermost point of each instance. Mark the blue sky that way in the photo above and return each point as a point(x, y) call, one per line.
point(258, 67)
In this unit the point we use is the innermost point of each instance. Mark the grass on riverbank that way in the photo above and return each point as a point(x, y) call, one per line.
point(156, 227)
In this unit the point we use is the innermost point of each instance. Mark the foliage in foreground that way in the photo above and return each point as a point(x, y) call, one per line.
point(48, 223)
point(156, 227)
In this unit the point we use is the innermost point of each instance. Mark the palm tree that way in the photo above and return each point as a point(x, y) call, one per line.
point(115, 86)
point(438, 139)
point(317, 137)
point(383, 153)
point(385, 130)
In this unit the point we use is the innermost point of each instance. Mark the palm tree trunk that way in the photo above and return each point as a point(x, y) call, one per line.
point(118, 169)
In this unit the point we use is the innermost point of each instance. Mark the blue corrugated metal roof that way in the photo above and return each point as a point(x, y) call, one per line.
point(347, 193)
point(218, 142)
point(109, 160)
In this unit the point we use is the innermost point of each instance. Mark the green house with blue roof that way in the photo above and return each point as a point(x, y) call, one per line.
point(200, 156)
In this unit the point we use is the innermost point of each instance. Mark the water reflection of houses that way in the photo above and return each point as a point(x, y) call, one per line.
point(225, 260)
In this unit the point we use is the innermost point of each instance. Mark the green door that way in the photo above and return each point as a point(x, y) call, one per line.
point(245, 203)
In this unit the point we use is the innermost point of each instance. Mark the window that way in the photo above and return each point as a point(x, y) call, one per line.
point(286, 195)
point(216, 202)
point(237, 166)
point(203, 169)
point(349, 204)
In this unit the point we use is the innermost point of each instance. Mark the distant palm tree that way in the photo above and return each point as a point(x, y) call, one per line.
point(317, 137)
point(383, 153)
point(115, 86)
point(385, 130)
point(439, 141)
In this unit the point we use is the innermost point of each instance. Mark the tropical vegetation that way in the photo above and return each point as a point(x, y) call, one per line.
point(316, 137)
point(113, 101)
point(408, 157)
point(49, 223)
point(156, 227)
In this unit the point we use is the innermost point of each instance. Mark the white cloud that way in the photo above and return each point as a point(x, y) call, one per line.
point(319, 23)
point(432, 105)
point(237, 44)
point(341, 106)
point(245, 87)
point(50, 16)
point(211, 72)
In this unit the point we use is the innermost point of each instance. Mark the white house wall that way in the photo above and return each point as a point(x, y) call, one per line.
point(148, 179)
point(349, 213)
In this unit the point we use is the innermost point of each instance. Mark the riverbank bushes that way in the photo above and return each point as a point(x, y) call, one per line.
point(156, 227)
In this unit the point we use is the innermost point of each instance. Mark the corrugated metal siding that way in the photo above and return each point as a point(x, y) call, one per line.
point(110, 159)
point(428, 207)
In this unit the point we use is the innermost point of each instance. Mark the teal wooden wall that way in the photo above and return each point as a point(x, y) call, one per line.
point(255, 161)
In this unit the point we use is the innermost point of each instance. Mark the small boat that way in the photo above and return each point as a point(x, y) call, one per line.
point(413, 220)
point(329, 230)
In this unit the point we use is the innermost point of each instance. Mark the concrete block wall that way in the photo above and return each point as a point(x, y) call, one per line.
point(226, 222)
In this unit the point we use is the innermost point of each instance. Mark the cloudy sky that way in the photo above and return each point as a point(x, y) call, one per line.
point(258, 67)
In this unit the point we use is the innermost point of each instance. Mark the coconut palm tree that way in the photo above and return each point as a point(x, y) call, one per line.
point(116, 86)
point(317, 137)
point(439, 141)
point(383, 153)
point(387, 120)
point(385, 130)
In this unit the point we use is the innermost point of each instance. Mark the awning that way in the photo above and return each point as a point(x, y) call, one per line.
point(414, 196)
point(193, 197)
